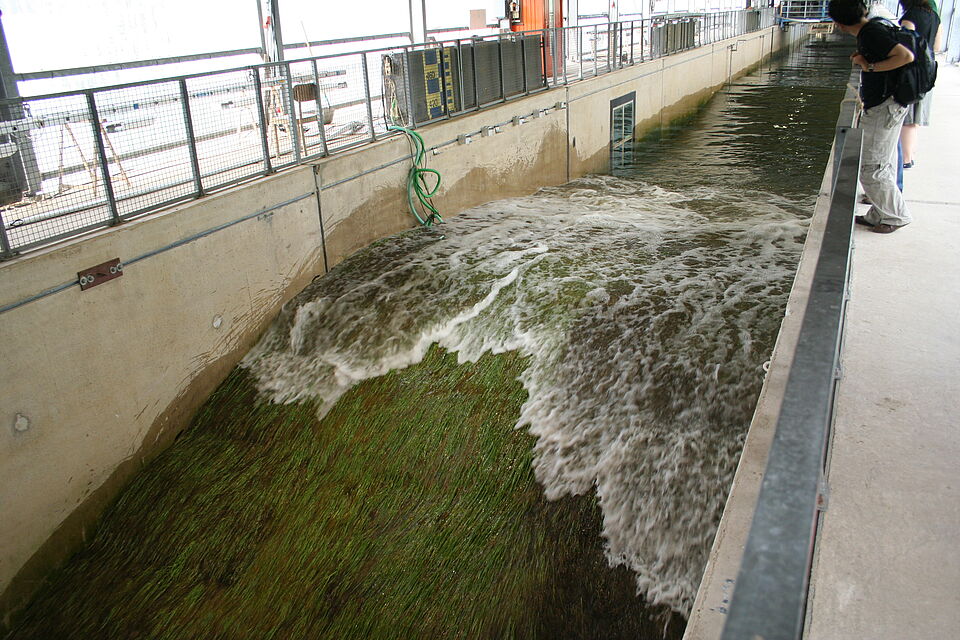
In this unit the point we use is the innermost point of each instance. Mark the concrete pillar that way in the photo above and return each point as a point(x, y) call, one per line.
point(418, 21)
point(271, 38)
point(24, 165)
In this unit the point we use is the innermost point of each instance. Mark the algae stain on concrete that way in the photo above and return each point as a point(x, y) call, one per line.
point(409, 511)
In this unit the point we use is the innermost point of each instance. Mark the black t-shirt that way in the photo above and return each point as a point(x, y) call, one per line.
point(927, 23)
point(875, 42)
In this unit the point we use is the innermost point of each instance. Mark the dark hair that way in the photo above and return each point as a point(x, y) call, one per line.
point(847, 12)
point(916, 4)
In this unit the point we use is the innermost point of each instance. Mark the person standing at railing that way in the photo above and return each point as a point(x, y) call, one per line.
point(877, 10)
point(922, 18)
point(878, 53)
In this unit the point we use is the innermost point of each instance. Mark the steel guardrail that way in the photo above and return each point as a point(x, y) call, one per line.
point(770, 593)
point(83, 160)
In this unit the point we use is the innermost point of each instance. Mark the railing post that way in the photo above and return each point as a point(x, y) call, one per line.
point(620, 47)
point(544, 55)
point(296, 133)
point(5, 251)
point(523, 64)
point(564, 31)
point(596, 67)
point(366, 88)
point(459, 96)
point(643, 31)
point(473, 69)
point(503, 88)
point(409, 87)
point(102, 157)
point(554, 50)
point(191, 137)
point(261, 118)
point(631, 42)
point(321, 116)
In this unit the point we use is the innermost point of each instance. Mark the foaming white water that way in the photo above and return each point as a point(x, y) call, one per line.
point(646, 315)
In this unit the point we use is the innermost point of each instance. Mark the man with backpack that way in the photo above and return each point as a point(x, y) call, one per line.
point(878, 54)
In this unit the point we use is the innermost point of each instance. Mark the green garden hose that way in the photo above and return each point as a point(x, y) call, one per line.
point(421, 207)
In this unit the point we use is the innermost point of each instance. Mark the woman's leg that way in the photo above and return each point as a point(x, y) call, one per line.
point(908, 138)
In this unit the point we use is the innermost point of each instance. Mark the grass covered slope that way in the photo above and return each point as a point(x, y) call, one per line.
point(409, 511)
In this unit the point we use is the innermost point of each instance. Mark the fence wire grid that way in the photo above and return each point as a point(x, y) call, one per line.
point(77, 161)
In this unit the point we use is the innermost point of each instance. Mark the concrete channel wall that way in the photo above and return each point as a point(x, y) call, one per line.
point(96, 383)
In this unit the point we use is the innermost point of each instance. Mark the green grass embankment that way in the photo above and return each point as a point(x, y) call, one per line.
point(409, 511)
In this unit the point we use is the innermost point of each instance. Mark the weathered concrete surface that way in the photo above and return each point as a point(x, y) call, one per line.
point(887, 562)
point(102, 378)
point(95, 383)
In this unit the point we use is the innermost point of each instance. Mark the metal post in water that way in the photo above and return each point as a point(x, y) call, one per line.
point(191, 137)
point(102, 156)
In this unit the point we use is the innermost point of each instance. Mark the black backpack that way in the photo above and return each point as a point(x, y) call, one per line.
point(910, 82)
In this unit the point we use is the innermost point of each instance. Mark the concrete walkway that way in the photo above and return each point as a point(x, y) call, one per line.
point(887, 563)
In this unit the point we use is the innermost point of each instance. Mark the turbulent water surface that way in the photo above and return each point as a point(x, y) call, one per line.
point(646, 302)
point(353, 481)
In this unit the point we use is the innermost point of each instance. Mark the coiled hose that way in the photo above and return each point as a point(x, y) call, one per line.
point(418, 189)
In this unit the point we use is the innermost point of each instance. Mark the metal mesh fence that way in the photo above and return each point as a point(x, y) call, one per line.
point(74, 162)
point(347, 94)
point(144, 143)
point(50, 154)
point(226, 129)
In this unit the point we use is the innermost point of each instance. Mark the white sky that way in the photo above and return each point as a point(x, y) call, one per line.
point(44, 35)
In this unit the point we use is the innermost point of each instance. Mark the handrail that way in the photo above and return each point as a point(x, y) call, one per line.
point(211, 130)
point(770, 593)
point(193, 57)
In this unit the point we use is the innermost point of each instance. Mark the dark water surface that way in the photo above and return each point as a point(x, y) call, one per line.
point(524, 427)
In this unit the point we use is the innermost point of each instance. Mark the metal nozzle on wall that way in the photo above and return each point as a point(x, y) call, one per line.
point(464, 138)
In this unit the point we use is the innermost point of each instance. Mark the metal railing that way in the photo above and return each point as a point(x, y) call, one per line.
point(805, 10)
point(770, 594)
point(75, 161)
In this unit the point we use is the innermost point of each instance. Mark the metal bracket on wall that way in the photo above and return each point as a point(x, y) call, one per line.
point(99, 274)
